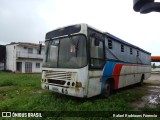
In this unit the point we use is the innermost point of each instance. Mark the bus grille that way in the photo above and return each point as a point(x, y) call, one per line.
point(60, 75)
point(60, 82)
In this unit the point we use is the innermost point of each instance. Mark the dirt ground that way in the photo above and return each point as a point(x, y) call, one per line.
point(154, 79)
point(152, 97)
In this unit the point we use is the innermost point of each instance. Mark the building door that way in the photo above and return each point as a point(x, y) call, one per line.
point(19, 66)
point(28, 67)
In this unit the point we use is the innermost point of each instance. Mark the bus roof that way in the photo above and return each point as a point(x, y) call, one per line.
point(63, 31)
point(77, 27)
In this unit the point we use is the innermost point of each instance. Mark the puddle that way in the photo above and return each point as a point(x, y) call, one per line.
point(151, 99)
point(153, 86)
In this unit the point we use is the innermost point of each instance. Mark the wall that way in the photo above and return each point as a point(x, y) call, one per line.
point(34, 69)
point(23, 50)
point(11, 57)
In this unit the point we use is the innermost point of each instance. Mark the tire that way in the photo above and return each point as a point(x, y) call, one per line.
point(141, 82)
point(107, 89)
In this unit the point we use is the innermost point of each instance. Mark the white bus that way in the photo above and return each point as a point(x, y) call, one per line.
point(82, 61)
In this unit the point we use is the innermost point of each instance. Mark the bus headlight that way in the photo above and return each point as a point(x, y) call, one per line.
point(73, 84)
point(68, 83)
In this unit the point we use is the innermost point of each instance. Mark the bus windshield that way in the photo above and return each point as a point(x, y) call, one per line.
point(68, 52)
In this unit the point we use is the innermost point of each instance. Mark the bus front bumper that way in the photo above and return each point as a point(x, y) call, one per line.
point(72, 91)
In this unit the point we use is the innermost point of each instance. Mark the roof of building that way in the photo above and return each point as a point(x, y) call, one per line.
point(25, 44)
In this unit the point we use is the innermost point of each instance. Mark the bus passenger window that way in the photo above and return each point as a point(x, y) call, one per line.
point(131, 51)
point(137, 53)
point(110, 44)
point(122, 48)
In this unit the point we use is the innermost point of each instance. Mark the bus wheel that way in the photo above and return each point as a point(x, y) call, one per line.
point(107, 89)
point(141, 82)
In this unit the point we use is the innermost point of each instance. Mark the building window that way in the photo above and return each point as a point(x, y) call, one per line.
point(37, 65)
point(122, 48)
point(37, 51)
point(137, 53)
point(30, 50)
point(131, 52)
point(110, 44)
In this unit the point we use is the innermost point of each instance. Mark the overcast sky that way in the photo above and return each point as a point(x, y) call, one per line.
point(29, 20)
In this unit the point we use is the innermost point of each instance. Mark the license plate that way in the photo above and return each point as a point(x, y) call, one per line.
point(55, 89)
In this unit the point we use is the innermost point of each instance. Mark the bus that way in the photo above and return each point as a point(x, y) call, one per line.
point(83, 61)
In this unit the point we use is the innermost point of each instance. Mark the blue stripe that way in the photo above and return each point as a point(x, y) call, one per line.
point(107, 73)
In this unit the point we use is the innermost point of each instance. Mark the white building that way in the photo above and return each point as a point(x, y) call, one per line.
point(24, 57)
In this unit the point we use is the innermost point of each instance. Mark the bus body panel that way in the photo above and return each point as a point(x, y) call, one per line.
point(77, 92)
point(131, 74)
point(94, 83)
point(50, 78)
point(124, 74)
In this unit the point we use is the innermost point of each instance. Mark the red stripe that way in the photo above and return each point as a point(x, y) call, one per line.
point(116, 73)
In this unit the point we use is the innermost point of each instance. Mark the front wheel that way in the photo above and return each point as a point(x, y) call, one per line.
point(107, 89)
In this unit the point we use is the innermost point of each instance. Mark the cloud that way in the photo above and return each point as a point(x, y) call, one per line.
point(20, 21)
point(30, 20)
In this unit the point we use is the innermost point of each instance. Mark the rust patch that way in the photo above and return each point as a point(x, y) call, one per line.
point(77, 90)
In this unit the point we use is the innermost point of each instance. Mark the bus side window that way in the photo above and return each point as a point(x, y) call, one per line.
point(122, 48)
point(96, 53)
point(131, 52)
point(110, 44)
point(96, 42)
point(137, 53)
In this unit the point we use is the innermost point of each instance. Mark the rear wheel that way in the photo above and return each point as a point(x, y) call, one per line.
point(142, 79)
point(107, 89)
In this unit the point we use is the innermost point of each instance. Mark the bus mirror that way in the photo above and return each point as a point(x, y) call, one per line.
point(138, 4)
point(155, 7)
point(146, 6)
point(96, 42)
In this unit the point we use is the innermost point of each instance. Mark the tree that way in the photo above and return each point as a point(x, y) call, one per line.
point(153, 65)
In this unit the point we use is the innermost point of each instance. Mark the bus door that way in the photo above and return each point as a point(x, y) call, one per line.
point(97, 61)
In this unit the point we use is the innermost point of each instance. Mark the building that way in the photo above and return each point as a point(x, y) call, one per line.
point(2, 57)
point(24, 57)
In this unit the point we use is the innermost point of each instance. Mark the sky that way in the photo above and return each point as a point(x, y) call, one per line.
point(30, 20)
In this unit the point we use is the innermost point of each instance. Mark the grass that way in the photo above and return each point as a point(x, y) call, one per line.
point(22, 92)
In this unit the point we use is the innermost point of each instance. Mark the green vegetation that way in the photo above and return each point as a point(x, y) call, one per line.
point(22, 92)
